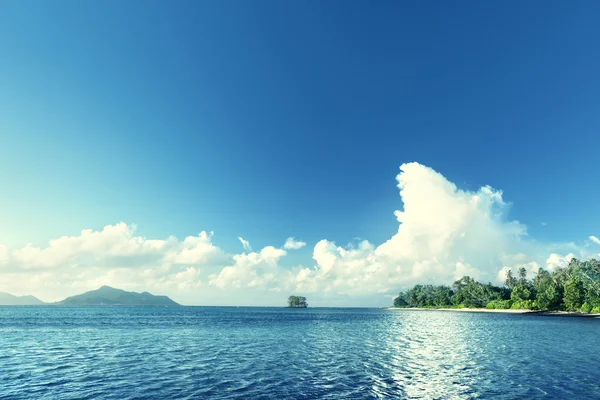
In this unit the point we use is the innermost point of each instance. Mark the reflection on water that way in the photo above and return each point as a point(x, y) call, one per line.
point(431, 355)
point(227, 353)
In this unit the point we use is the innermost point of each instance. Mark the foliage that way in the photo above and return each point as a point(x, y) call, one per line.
point(548, 294)
point(576, 287)
point(424, 296)
point(586, 307)
point(574, 294)
point(466, 292)
point(499, 305)
point(521, 293)
point(524, 305)
point(471, 293)
point(510, 281)
point(400, 302)
point(297, 302)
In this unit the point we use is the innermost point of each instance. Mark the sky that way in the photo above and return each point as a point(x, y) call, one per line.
point(236, 152)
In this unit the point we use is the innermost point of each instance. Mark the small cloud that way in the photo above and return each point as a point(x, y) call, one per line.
point(544, 224)
point(245, 243)
point(595, 239)
point(293, 244)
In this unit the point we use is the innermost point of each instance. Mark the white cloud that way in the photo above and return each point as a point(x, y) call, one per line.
point(112, 242)
point(501, 277)
point(595, 239)
point(293, 244)
point(256, 269)
point(194, 250)
point(555, 261)
point(116, 245)
point(443, 233)
point(187, 279)
point(114, 256)
point(245, 244)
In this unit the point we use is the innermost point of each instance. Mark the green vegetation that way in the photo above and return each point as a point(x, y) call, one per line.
point(574, 288)
point(297, 302)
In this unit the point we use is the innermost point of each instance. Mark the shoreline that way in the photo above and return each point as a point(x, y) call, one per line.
point(504, 311)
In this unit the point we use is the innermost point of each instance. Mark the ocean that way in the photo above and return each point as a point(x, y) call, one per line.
point(279, 353)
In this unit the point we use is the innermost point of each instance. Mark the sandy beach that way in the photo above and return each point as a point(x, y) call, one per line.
point(508, 311)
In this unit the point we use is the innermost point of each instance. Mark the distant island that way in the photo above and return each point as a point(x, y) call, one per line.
point(104, 296)
point(108, 296)
point(575, 288)
point(297, 302)
point(7, 299)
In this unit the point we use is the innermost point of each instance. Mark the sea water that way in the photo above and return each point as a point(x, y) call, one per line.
point(279, 353)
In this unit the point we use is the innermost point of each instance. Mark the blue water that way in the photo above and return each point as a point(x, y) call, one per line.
point(270, 353)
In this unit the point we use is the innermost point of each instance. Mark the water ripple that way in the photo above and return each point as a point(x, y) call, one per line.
point(230, 353)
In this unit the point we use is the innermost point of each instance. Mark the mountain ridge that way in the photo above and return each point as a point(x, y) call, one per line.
point(7, 299)
point(106, 296)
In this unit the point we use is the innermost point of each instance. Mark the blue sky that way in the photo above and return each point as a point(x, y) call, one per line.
point(269, 119)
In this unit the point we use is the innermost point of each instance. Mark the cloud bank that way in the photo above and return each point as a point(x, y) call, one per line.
point(443, 233)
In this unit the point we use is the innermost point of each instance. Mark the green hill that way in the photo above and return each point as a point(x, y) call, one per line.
point(108, 296)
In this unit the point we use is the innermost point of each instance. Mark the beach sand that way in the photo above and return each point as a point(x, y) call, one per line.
point(485, 310)
point(509, 311)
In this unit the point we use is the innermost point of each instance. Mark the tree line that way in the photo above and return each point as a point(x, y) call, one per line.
point(573, 288)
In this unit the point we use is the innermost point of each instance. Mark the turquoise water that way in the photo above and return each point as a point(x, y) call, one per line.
point(278, 353)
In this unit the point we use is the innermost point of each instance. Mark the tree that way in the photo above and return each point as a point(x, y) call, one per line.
point(521, 293)
point(590, 276)
point(548, 295)
point(522, 276)
point(297, 302)
point(470, 293)
point(400, 301)
point(510, 281)
point(574, 295)
point(442, 296)
point(575, 287)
